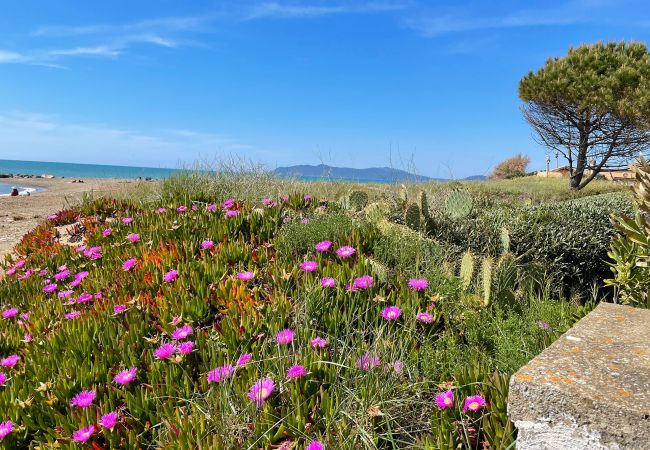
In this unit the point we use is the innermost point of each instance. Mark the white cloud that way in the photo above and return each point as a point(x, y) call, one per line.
point(293, 10)
point(100, 50)
point(10, 57)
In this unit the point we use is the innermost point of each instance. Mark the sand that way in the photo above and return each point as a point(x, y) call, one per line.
point(18, 215)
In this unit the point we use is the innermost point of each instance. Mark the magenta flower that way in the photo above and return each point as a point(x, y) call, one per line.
point(65, 294)
point(318, 342)
point(227, 204)
point(126, 376)
point(473, 403)
point(309, 266)
point(72, 315)
point(181, 209)
point(129, 264)
point(261, 390)
point(244, 359)
point(445, 399)
point(418, 284)
point(328, 282)
point(8, 313)
point(83, 434)
point(424, 317)
point(284, 337)
point(83, 399)
point(284, 198)
point(170, 276)
point(93, 253)
point(20, 263)
point(212, 208)
point(80, 249)
point(28, 338)
point(296, 371)
point(220, 373)
point(127, 220)
point(24, 316)
point(107, 232)
point(267, 201)
point(176, 320)
point(363, 282)
point(315, 445)
point(81, 275)
point(165, 351)
point(307, 198)
point(52, 217)
point(182, 332)
point(391, 313)
point(161, 210)
point(6, 428)
point(205, 245)
point(186, 347)
point(543, 325)
point(85, 297)
point(109, 420)
point(9, 361)
point(62, 275)
point(345, 252)
point(119, 309)
point(367, 362)
point(3, 378)
point(232, 213)
point(245, 276)
point(133, 237)
point(304, 221)
point(323, 246)
point(75, 283)
point(49, 288)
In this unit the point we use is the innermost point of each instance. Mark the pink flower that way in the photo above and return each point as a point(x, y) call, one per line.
point(212, 208)
point(186, 347)
point(119, 309)
point(318, 342)
point(315, 445)
point(161, 210)
point(418, 284)
point(284, 337)
point(309, 266)
point(367, 362)
point(133, 237)
point(107, 232)
point(181, 209)
point(3, 378)
point(176, 320)
point(244, 359)
point(127, 220)
point(170, 276)
point(328, 282)
point(75, 283)
point(363, 282)
point(126, 376)
point(81, 275)
point(83, 399)
point(6, 428)
point(93, 252)
point(8, 313)
point(284, 198)
point(232, 213)
point(182, 333)
point(267, 201)
point(245, 276)
point(9, 361)
point(20, 263)
point(165, 351)
point(52, 217)
point(24, 316)
point(424, 317)
point(49, 288)
point(397, 366)
point(345, 252)
point(261, 390)
point(307, 198)
point(473, 403)
point(227, 204)
point(205, 245)
point(80, 249)
point(296, 371)
point(85, 297)
point(83, 434)
point(304, 221)
point(62, 275)
point(66, 293)
point(109, 420)
point(391, 313)
point(129, 264)
point(220, 373)
point(28, 338)
point(323, 246)
point(445, 399)
point(72, 315)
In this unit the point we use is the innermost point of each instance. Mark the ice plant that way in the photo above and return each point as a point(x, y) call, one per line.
point(49, 288)
point(211, 208)
point(181, 209)
point(315, 445)
point(309, 266)
point(363, 282)
point(261, 390)
point(170, 276)
point(245, 276)
point(543, 325)
point(3, 378)
point(72, 315)
point(126, 376)
point(345, 252)
point(391, 313)
point(232, 213)
point(62, 275)
point(107, 232)
point(424, 317)
point(182, 332)
point(296, 371)
point(244, 359)
point(418, 284)
point(284, 337)
point(85, 297)
point(220, 373)
point(185, 348)
point(445, 399)
point(304, 221)
point(83, 399)
point(323, 246)
point(119, 309)
point(328, 282)
point(83, 434)
point(161, 210)
point(129, 264)
point(133, 237)
point(127, 220)
point(9, 361)
point(227, 204)
point(6, 428)
point(165, 351)
point(307, 198)
point(318, 342)
point(473, 403)
point(205, 245)
point(8, 313)
point(367, 362)
point(109, 420)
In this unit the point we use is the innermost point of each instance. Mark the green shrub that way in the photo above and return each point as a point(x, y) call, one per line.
point(358, 200)
point(296, 238)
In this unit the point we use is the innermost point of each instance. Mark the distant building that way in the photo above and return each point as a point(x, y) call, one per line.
point(559, 172)
point(604, 174)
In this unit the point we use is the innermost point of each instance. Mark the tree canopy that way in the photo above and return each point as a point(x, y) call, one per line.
point(511, 168)
point(592, 106)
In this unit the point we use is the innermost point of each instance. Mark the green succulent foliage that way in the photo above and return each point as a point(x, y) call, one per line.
point(424, 205)
point(459, 204)
point(467, 269)
point(505, 239)
point(358, 200)
point(486, 279)
point(412, 216)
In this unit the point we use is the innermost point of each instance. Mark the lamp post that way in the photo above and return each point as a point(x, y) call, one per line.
point(557, 164)
point(548, 165)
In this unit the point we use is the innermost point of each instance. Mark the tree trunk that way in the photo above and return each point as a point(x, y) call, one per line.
point(574, 180)
point(581, 162)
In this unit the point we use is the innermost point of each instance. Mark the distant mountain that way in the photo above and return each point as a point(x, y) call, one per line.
point(373, 174)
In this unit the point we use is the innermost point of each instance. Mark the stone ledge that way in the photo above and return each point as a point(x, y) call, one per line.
point(591, 388)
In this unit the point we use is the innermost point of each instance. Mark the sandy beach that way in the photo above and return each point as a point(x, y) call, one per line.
point(20, 214)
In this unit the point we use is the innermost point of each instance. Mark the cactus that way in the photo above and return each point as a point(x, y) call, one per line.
point(358, 200)
point(459, 204)
point(487, 280)
point(404, 194)
point(505, 240)
point(424, 205)
point(412, 217)
point(467, 269)
point(378, 269)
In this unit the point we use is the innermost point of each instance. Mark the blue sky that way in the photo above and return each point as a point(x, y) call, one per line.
point(403, 83)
